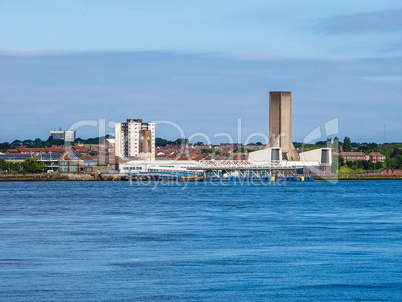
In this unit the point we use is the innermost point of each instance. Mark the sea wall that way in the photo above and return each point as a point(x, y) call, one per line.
point(47, 177)
point(359, 177)
point(98, 177)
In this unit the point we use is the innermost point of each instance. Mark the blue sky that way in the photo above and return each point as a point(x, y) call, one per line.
point(201, 64)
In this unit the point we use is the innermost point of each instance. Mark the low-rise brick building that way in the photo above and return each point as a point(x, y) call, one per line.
point(353, 156)
point(376, 157)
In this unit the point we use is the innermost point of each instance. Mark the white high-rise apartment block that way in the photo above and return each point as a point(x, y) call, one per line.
point(67, 136)
point(135, 139)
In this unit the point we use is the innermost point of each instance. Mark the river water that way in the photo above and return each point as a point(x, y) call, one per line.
point(121, 241)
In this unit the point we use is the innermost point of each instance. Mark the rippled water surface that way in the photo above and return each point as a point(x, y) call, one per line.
point(112, 241)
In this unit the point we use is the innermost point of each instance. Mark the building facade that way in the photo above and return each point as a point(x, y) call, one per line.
point(67, 136)
point(135, 139)
point(353, 156)
point(376, 157)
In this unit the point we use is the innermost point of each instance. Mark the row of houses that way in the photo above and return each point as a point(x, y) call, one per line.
point(45, 150)
point(375, 157)
point(107, 148)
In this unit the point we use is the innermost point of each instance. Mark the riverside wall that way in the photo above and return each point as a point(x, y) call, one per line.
point(48, 177)
point(99, 177)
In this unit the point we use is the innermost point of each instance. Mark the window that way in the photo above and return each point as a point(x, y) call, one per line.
point(64, 169)
point(73, 169)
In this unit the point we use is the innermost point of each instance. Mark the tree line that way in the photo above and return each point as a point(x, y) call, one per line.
point(392, 153)
point(38, 143)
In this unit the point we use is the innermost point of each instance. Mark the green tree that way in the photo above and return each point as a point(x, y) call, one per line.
point(31, 165)
point(27, 142)
point(38, 143)
point(242, 149)
point(351, 164)
point(3, 165)
point(335, 145)
point(15, 167)
point(51, 141)
point(392, 163)
point(311, 147)
point(393, 154)
point(341, 160)
point(239, 149)
point(161, 142)
point(4, 146)
point(206, 150)
point(365, 164)
point(370, 165)
point(181, 141)
point(347, 144)
point(335, 164)
point(11, 167)
point(16, 143)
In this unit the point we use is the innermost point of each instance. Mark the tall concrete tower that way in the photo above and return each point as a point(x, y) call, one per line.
point(280, 123)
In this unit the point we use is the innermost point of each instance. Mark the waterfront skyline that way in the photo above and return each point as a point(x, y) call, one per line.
point(201, 66)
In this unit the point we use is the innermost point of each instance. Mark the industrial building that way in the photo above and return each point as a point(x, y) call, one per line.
point(135, 139)
point(278, 159)
point(65, 135)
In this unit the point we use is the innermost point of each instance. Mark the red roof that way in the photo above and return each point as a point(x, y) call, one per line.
point(30, 150)
point(54, 149)
point(343, 154)
point(376, 154)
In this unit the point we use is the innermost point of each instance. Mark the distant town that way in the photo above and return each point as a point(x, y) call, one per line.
point(134, 150)
point(82, 155)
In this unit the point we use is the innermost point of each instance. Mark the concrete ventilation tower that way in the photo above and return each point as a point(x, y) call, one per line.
point(280, 123)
